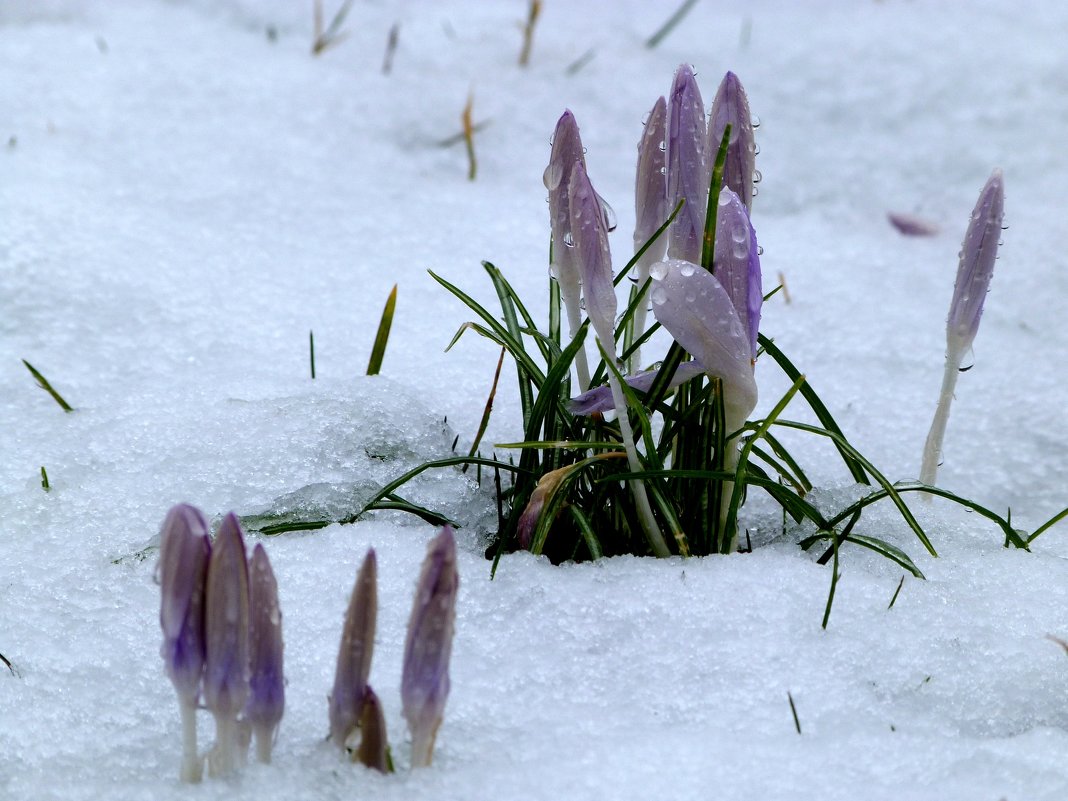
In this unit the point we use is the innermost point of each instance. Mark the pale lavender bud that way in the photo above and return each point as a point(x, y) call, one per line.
point(355, 652)
point(599, 399)
point(976, 267)
point(266, 700)
point(546, 488)
point(731, 107)
point(697, 311)
point(428, 646)
point(373, 750)
point(736, 262)
point(183, 564)
point(226, 624)
point(593, 256)
point(650, 186)
point(566, 151)
point(688, 171)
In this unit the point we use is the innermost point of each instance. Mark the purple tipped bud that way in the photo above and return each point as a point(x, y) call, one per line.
point(687, 169)
point(354, 653)
point(425, 678)
point(977, 256)
point(594, 258)
point(599, 399)
point(183, 564)
point(546, 488)
point(226, 673)
point(696, 310)
point(266, 700)
point(373, 750)
point(731, 107)
point(567, 151)
point(650, 186)
point(736, 262)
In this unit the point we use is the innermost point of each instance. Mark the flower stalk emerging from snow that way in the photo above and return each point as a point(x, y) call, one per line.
point(354, 653)
point(226, 667)
point(266, 700)
point(183, 564)
point(428, 646)
point(977, 256)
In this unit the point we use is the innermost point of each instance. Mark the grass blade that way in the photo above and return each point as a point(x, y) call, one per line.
point(381, 338)
point(42, 382)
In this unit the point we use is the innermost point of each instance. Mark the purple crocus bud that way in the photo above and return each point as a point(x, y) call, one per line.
point(594, 258)
point(697, 311)
point(976, 267)
point(731, 107)
point(599, 399)
point(373, 750)
point(183, 565)
point(428, 646)
point(687, 168)
point(736, 262)
point(226, 666)
point(546, 488)
point(355, 652)
point(266, 700)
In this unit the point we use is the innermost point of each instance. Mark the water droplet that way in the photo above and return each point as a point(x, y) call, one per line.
point(740, 233)
point(757, 176)
point(552, 141)
point(645, 117)
point(662, 146)
point(554, 271)
point(659, 296)
point(663, 170)
point(691, 297)
point(275, 617)
point(569, 241)
point(658, 271)
point(686, 269)
point(760, 250)
point(968, 361)
point(740, 250)
point(552, 176)
point(755, 120)
point(724, 199)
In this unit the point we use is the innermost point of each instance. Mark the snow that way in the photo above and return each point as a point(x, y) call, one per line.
point(183, 198)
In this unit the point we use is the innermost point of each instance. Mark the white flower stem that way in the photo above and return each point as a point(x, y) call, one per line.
point(645, 512)
point(569, 292)
point(932, 449)
point(222, 761)
point(730, 464)
point(192, 767)
point(264, 742)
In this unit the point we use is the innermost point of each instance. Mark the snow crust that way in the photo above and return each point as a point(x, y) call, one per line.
point(185, 192)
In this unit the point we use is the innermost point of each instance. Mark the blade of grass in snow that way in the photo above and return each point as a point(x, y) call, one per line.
point(528, 32)
point(469, 138)
point(488, 408)
point(333, 35)
point(44, 480)
point(897, 592)
point(677, 16)
point(382, 337)
point(311, 352)
point(42, 382)
point(793, 711)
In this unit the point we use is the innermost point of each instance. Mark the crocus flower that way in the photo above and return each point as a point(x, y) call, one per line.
point(567, 151)
point(226, 667)
point(697, 311)
point(688, 171)
point(428, 646)
point(736, 262)
point(266, 700)
point(354, 653)
point(373, 750)
point(595, 261)
point(547, 486)
point(976, 267)
point(183, 564)
point(650, 206)
point(731, 107)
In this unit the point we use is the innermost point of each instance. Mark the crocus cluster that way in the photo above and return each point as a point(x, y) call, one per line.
point(357, 724)
point(222, 638)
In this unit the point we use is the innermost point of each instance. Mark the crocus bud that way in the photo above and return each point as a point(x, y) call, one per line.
point(428, 646)
point(183, 564)
point(688, 172)
point(593, 256)
point(373, 750)
point(226, 667)
point(266, 700)
point(736, 262)
point(976, 267)
point(650, 185)
point(731, 107)
point(354, 653)
point(543, 492)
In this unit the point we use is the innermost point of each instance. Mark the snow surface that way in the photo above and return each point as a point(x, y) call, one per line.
point(183, 197)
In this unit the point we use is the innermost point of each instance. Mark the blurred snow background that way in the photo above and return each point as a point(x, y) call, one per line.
point(185, 192)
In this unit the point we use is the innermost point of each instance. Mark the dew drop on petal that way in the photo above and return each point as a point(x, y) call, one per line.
point(724, 199)
point(659, 296)
point(686, 269)
point(658, 271)
point(740, 234)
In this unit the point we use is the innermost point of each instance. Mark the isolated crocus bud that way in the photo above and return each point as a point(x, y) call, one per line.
point(736, 262)
point(266, 700)
point(428, 646)
point(976, 267)
point(354, 653)
point(688, 172)
point(731, 107)
point(183, 564)
point(226, 666)
point(373, 750)
point(543, 492)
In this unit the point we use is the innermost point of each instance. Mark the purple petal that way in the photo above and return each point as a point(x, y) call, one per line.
point(599, 399)
point(183, 564)
point(566, 151)
point(731, 106)
point(226, 673)
point(425, 678)
point(355, 652)
point(736, 262)
point(266, 700)
point(650, 186)
point(593, 255)
point(977, 256)
point(687, 170)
